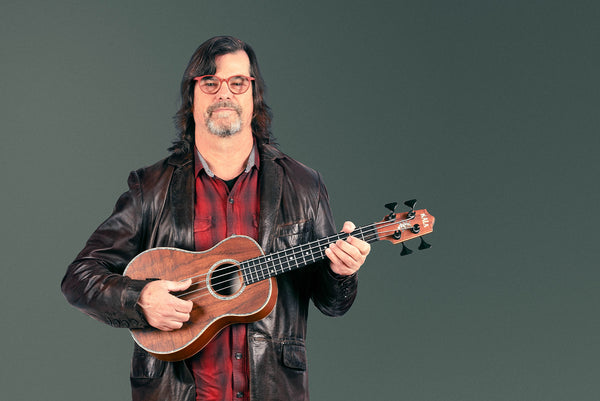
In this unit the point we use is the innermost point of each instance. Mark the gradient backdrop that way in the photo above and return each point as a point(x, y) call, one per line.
point(486, 111)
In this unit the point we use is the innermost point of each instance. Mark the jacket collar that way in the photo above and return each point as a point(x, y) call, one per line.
point(266, 152)
point(270, 184)
point(180, 160)
point(270, 152)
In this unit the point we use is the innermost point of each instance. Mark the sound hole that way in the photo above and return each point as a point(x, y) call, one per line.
point(226, 279)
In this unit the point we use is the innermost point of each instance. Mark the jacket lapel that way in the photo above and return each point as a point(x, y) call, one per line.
point(182, 196)
point(269, 179)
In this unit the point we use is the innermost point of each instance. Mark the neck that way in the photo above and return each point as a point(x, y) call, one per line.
point(226, 157)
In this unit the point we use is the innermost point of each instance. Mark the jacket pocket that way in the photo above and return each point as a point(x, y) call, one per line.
point(145, 366)
point(294, 356)
point(293, 234)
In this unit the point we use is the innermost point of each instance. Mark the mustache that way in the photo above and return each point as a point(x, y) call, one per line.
point(224, 103)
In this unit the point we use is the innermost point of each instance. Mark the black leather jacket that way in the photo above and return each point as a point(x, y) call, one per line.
point(158, 211)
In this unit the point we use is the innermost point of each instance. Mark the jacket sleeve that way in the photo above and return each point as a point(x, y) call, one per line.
point(333, 294)
point(94, 282)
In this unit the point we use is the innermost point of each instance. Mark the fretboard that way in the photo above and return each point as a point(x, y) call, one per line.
point(267, 266)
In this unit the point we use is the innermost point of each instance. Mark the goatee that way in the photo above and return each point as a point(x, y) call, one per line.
point(224, 127)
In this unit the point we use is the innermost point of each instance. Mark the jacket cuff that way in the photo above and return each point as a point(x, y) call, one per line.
point(346, 284)
point(340, 277)
point(129, 302)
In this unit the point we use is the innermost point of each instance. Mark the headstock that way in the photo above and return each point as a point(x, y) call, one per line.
point(401, 227)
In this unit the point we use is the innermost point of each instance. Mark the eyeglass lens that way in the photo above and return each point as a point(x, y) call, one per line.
point(211, 84)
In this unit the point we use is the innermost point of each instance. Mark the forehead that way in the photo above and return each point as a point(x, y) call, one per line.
point(230, 64)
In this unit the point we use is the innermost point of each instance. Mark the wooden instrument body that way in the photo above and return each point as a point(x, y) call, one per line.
point(234, 282)
point(214, 308)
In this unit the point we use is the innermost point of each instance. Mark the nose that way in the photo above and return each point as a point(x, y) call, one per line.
point(224, 91)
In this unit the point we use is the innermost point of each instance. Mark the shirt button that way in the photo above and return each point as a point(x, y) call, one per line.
point(238, 355)
point(239, 394)
point(231, 200)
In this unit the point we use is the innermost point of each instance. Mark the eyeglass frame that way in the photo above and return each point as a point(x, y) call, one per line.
point(221, 80)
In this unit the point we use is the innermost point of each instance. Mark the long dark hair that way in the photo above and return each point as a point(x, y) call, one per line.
point(203, 63)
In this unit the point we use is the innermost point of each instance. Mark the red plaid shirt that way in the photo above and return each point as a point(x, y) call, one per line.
point(221, 369)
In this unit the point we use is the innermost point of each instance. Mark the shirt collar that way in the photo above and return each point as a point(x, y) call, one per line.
point(201, 164)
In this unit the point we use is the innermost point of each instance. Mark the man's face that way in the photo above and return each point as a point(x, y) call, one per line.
point(224, 113)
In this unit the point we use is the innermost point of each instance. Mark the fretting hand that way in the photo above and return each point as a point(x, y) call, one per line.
point(347, 256)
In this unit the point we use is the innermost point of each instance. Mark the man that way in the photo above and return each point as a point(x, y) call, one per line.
point(223, 177)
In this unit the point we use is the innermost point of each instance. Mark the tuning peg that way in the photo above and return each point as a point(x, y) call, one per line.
point(423, 245)
point(405, 250)
point(411, 204)
point(392, 208)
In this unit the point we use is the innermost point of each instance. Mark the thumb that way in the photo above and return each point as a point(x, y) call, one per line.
point(348, 227)
point(178, 285)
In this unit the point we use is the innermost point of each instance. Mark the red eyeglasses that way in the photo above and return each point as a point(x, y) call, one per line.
point(210, 84)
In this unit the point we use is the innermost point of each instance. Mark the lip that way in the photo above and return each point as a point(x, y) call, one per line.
point(223, 110)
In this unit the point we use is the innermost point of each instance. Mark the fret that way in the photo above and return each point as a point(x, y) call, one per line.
point(256, 267)
point(266, 266)
point(290, 256)
point(260, 271)
point(304, 252)
point(285, 263)
point(272, 270)
point(281, 260)
point(245, 271)
point(310, 252)
point(370, 234)
point(322, 244)
point(358, 233)
point(271, 267)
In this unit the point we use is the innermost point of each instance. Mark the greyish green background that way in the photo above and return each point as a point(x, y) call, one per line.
point(486, 111)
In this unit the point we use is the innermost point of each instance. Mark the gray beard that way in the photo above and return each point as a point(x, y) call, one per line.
point(223, 129)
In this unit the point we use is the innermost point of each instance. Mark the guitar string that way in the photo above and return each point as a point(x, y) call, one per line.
point(280, 255)
point(262, 269)
point(236, 281)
